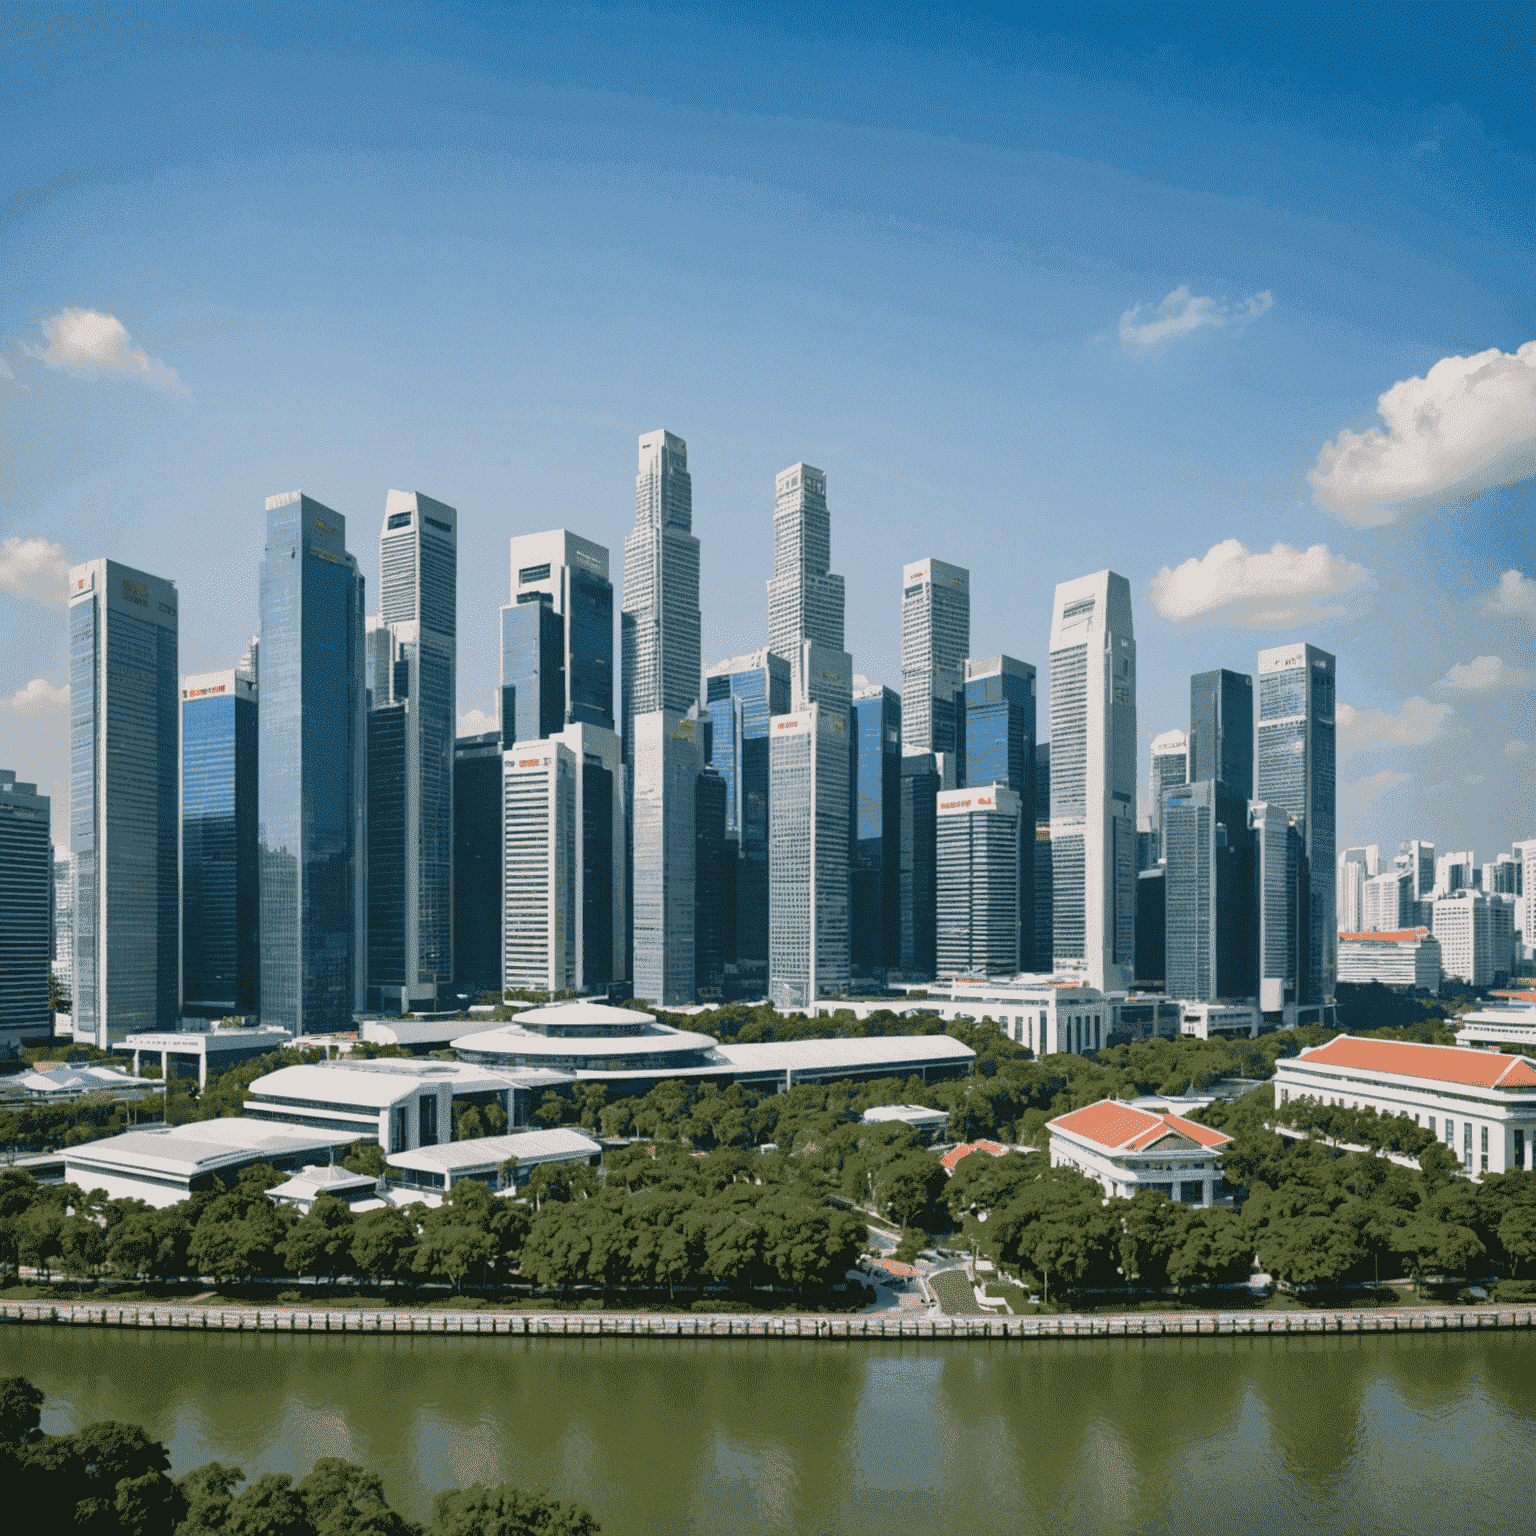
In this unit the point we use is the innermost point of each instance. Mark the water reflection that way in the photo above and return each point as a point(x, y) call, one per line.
point(1177, 1435)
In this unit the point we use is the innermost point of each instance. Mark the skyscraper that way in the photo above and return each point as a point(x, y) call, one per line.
point(220, 936)
point(667, 761)
point(808, 954)
point(1386, 905)
point(570, 575)
point(26, 890)
point(1279, 845)
point(533, 676)
point(1000, 704)
point(713, 917)
point(1221, 729)
point(539, 882)
point(477, 894)
point(744, 694)
point(659, 619)
point(935, 641)
point(1045, 875)
point(1296, 756)
point(64, 923)
point(1418, 858)
point(875, 879)
point(123, 686)
point(921, 781)
point(312, 775)
point(1209, 914)
point(1170, 766)
point(979, 847)
point(805, 602)
point(600, 913)
point(1355, 867)
point(1093, 779)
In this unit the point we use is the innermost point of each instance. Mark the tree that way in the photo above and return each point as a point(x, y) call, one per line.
point(82, 1246)
point(21, 1407)
point(382, 1242)
point(1438, 1162)
point(1435, 1246)
point(346, 1500)
point(507, 1511)
point(911, 1184)
point(320, 1242)
point(1517, 1236)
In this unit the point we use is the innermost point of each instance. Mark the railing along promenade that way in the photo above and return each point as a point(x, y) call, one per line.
point(857, 1326)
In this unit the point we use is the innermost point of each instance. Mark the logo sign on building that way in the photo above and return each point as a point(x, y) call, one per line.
point(86, 582)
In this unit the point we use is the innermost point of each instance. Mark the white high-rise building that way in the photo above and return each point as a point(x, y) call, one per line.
point(805, 601)
point(1356, 866)
point(599, 821)
point(809, 953)
point(1386, 905)
point(539, 867)
point(1476, 934)
point(660, 606)
point(569, 574)
point(1093, 779)
point(667, 759)
point(64, 922)
point(980, 844)
point(1456, 872)
point(1501, 875)
point(935, 642)
point(1525, 902)
point(1170, 768)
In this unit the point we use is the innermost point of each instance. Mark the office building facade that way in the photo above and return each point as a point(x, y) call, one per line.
point(1355, 867)
point(1221, 729)
point(1152, 926)
point(666, 764)
point(1279, 848)
point(600, 910)
point(1170, 768)
point(539, 852)
point(26, 902)
point(312, 772)
point(1386, 905)
point(921, 782)
point(1093, 780)
point(809, 952)
point(1296, 774)
point(220, 889)
point(1211, 938)
point(477, 893)
point(935, 642)
point(659, 618)
point(979, 849)
point(1045, 877)
point(568, 574)
point(875, 877)
point(124, 771)
point(805, 601)
point(533, 681)
point(714, 879)
point(63, 952)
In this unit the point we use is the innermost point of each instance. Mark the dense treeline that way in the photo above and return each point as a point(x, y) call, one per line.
point(1363, 1127)
point(112, 1479)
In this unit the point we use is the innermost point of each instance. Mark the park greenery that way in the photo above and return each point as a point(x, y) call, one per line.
point(112, 1479)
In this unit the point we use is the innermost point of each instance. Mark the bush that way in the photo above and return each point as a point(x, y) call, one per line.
point(1513, 1290)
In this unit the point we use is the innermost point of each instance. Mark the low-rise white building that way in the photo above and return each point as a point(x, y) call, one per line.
point(359, 1191)
point(1482, 1105)
point(928, 1122)
point(1509, 1018)
point(437, 1169)
point(1128, 1149)
point(1225, 1021)
point(202, 1048)
point(1405, 958)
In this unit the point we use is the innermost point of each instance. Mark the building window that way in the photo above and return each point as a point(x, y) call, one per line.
point(428, 1120)
point(1519, 1149)
point(399, 1129)
point(1466, 1143)
point(1431, 1125)
point(1285, 1095)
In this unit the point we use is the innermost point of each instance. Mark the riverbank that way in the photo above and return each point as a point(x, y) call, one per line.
point(296, 1321)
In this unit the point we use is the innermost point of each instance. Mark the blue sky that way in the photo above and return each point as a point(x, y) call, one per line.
point(1042, 291)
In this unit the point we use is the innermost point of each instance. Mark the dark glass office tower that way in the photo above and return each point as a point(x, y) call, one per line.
point(387, 972)
point(312, 799)
point(477, 814)
point(1296, 775)
point(26, 901)
point(123, 794)
point(220, 934)
point(532, 671)
point(1210, 931)
point(876, 872)
point(920, 786)
point(1000, 749)
point(712, 920)
point(570, 575)
point(602, 836)
point(1221, 729)
point(1044, 871)
point(1151, 927)
point(743, 694)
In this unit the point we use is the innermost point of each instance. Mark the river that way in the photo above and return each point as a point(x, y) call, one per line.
point(1226, 1436)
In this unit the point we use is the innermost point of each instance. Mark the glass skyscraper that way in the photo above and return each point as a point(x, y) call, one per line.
point(666, 765)
point(311, 802)
point(1221, 729)
point(1296, 775)
point(220, 944)
point(1209, 890)
point(935, 642)
point(1000, 704)
point(875, 880)
point(979, 842)
point(712, 882)
point(477, 774)
point(1093, 779)
point(1170, 767)
point(26, 899)
point(921, 782)
point(569, 574)
point(805, 601)
point(123, 793)
point(532, 670)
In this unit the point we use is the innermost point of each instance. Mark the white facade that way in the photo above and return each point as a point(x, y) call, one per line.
point(1356, 866)
point(439, 1168)
point(1229, 1021)
point(809, 942)
point(935, 642)
point(1093, 780)
point(1480, 1104)
point(667, 758)
point(805, 601)
point(539, 862)
point(1511, 1020)
point(1170, 766)
point(980, 844)
point(1049, 1016)
point(1409, 958)
point(1128, 1149)
point(1387, 906)
point(1476, 935)
point(64, 922)
point(597, 799)
point(1525, 906)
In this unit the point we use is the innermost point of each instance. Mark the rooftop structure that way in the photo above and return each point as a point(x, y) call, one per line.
point(1510, 1019)
point(1128, 1149)
point(439, 1168)
point(918, 1116)
point(358, 1191)
point(1404, 958)
point(60, 1082)
point(202, 1048)
point(956, 1155)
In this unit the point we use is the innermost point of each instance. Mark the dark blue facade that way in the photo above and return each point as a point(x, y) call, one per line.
point(712, 920)
point(589, 648)
point(532, 671)
point(477, 863)
point(919, 869)
point(220, 892)
point(875, 880)
point(386, 855)
point(1221, 729)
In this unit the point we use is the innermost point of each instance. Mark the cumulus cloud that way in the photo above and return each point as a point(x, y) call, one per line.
point(1278, 589)
point(92, 345)
point(35, 568)
point(1372, 785)
point(1368, 730)
point(38, 696)
point(477, 723)
point(1515, 748)
point(1468, 424)
point(1515, 594)
point(5, 370)
point(1178, 315)
point(1475, 778)
point(1481, 675)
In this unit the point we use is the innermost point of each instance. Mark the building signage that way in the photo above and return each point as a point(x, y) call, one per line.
point(136, 592)
point(199, 693)
point(86, 582)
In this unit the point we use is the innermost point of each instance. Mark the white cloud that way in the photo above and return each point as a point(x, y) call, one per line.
point(1275, 590)
point(1475, 778)
point(1481, 675)
point(1372, 785)
point(477, 723)
point(35, 568)
point(1515, 748)
point(1468, 424)
point(5, 370)
point(1368, 730)
point(1515, 594)
point(38, 695)
point(89, 344)
point(1178, 315)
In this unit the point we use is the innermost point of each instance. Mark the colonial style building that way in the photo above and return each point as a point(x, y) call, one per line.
point(1128, 1149)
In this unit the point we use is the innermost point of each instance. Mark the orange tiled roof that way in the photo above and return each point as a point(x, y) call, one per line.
point(1117, 1126)
point(951, 1159)
point(1436, 1063)
point(1396, 936)
point(1519, 997)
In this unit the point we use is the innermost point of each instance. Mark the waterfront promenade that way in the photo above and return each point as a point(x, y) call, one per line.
point(191, 1318)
